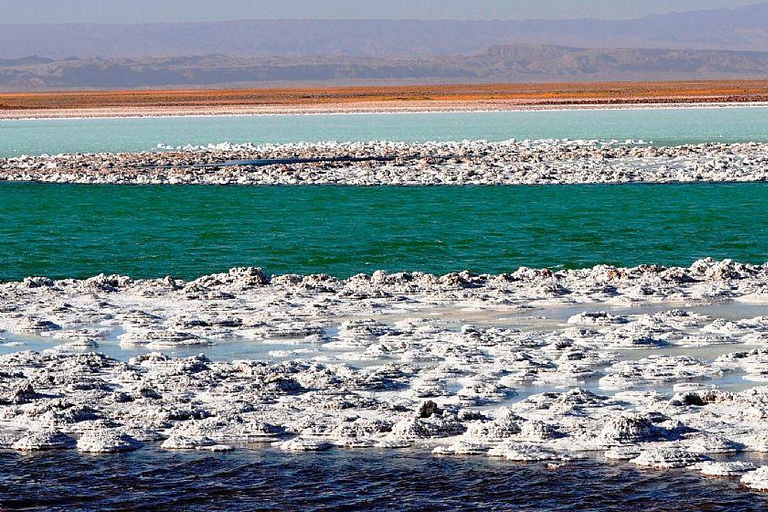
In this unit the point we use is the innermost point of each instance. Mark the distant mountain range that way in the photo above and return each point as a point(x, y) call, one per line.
point(724, 43)
point(743, 28)
point(501, 63)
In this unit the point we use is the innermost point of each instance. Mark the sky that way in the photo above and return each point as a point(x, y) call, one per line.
point(142, 11)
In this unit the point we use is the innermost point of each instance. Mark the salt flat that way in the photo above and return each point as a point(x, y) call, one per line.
point(387, 360)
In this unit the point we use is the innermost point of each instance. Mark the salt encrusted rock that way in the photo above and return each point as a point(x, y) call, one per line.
point(483, 392)
point(21, 394)
point(538, 431)
point(304, 445)
point(756, 442)
point(736, 468)
point(521, 452)
point(364, 329)
point(424, 428)
point(354, 442)
point(757, 479)
point(259, 430)
point(627, 429)
point(430, 387)
point(360, 430)
point(227, 429)
point(107, 441)
point(181, 442)
point(156, 339)
point(504, 426)
point(700, 397)
point(37, 282)
point(666, 458)
point(106, 283)
point(597, 318)
point(657, 369)
point(44, 440)
point(622, 453)
point(144, 434)
point(635, 336)
point(8, 438)
point(33, 325)
point(393, 443)
point(754, 363)
point(461, 448)
point(711, 443)
point(567, 402)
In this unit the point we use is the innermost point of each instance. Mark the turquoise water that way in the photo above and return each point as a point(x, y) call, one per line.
point(662, 126)
point(187, 231)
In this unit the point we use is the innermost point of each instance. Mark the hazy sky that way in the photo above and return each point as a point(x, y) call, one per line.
point(136, 11)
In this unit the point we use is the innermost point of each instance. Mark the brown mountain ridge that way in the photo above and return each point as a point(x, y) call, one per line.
point(500, 63)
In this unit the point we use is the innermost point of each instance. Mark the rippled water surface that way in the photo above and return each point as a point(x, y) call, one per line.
point(661, 126)
point(264, 479)
point(187, 231)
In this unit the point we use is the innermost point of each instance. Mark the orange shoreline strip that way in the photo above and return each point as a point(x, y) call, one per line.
point(547, 94)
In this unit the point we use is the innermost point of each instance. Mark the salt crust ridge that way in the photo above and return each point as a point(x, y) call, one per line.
point(481, 162)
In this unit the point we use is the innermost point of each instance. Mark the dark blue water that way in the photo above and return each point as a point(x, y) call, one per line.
point(349, 480)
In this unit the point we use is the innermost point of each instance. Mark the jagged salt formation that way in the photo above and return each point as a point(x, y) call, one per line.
point(375, 367)
point(431, 163)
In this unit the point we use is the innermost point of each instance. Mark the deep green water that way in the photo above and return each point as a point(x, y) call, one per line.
point(187, 231)
point(661, 126)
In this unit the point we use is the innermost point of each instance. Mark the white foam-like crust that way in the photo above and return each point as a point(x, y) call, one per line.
point(47, 439)
point(419, 378)
point(107, 441)
point(733, 468)
point(666, 458)
point(430, 163)
point(757, 479)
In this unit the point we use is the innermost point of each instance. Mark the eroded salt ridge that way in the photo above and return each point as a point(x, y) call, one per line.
point(374, 369)
point(432, 163)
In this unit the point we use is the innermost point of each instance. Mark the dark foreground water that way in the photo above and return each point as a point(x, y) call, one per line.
point(150, 231)
point(349, 480)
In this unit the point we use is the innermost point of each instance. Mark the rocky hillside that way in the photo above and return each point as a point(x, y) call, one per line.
point(507, 63)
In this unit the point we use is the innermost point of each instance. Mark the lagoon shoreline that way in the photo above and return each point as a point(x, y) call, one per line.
point(381, 99)
point(356, 108)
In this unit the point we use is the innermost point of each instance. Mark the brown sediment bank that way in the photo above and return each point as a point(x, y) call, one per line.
point(378, 98)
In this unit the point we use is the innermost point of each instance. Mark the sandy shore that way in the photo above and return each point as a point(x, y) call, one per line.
point(353, 108)
point(611, 363)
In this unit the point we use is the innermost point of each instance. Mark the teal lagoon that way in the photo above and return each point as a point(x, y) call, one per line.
point(79, 231)
point(666, 126)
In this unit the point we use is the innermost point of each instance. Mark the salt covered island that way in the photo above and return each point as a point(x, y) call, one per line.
point(511, 162)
